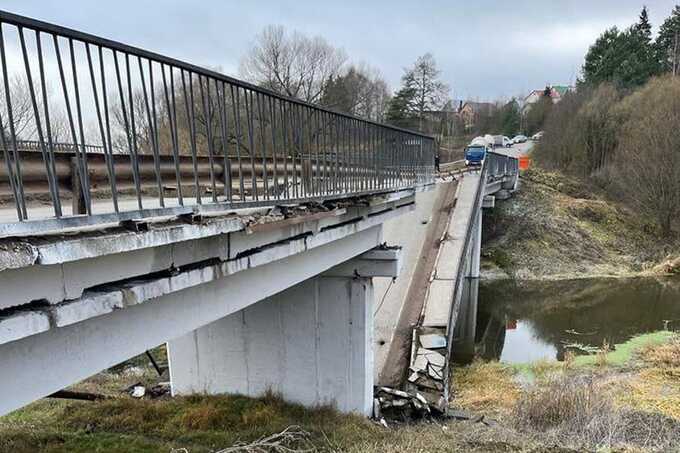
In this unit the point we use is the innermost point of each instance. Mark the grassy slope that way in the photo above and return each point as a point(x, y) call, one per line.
point(555, 227)
point(643, 383)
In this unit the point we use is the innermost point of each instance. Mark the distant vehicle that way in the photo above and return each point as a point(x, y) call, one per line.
point(497, 141)
point(507, 142)
point(489, 140)
point(537, 136)
point(480, 141)
point(475, 154)
point(519, 139)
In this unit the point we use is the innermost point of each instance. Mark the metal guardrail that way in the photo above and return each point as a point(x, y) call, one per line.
point(495, 166)
point(152, 123)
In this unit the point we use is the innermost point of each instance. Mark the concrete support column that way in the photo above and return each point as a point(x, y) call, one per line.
point(476, 248)
point(312, 343)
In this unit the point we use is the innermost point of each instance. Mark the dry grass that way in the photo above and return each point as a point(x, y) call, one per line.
point(579, 411)
point(656, 386)
point(486, 387)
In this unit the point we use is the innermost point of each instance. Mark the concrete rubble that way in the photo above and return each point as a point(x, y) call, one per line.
point(424, 390)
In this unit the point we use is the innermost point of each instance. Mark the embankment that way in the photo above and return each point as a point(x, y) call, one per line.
point(556, 227)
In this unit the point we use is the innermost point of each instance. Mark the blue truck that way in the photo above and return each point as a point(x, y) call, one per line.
point(475, 154)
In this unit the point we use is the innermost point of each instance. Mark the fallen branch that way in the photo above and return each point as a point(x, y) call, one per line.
point(282, 442)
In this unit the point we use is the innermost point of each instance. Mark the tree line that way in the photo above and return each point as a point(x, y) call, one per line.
point(619, 129)
point(313, 70)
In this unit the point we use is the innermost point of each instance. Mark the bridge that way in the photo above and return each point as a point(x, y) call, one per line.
point(245, 229)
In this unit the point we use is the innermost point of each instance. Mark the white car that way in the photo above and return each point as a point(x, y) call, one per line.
point(537, 136)
point(519, 139)
point(507, 142)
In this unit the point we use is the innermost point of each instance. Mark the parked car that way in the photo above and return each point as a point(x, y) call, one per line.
point(474, 155)
point(519, 139)
point(537, 136)
point(507, 142)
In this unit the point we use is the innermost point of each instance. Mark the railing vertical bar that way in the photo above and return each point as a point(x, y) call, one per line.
point(205, 100)
point(237, 118)
point(135, 150)
point(79, 165)
point(100, 124)
point(248, 95)
point(154, 144)
point(107, 124)
point(11, 158)
point(324, 128)
point(156, 135)
point(51, 181)
point(224, 125)
point(172, 124)
point(284, 144)
point(317, 169)
point(191, 118)
point(275, 176)
point(261, 125)
point(296, 149)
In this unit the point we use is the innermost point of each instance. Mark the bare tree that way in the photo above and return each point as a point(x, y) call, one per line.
point(291, 63)
point(22, 110)
point(430, 93)
point(648, 160)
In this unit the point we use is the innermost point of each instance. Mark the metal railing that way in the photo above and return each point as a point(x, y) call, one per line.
point(500, 165)
point(150, 135)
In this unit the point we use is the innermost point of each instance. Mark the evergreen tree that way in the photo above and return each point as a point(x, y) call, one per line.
point(510, 118)
point(627, 58)
point(401, 109)
point(668, 43)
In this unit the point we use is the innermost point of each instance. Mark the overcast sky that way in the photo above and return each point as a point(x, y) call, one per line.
point(485, 49)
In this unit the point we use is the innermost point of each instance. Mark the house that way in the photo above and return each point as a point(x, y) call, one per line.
point(557, 92)
point(471, 111)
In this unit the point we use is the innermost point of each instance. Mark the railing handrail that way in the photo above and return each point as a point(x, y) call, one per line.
point(35, 24)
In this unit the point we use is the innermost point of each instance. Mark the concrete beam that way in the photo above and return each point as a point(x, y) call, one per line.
point(38, 365)
point(379, 262)
point(67, 281)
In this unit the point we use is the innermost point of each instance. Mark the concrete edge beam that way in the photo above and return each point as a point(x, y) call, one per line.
point(57, 249)
point(67, 281)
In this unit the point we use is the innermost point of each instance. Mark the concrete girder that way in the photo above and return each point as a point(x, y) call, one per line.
point(35, 366)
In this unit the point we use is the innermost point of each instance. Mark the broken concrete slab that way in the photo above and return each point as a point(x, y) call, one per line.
point(433, 357)
point(432, 341)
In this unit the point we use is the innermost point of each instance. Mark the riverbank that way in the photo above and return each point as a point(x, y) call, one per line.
point(623, 397)
point(556, 227)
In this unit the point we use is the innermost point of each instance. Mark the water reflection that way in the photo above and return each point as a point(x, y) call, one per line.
point(521, 322)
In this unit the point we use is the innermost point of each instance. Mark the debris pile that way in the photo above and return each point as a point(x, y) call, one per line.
point(428, 367)
point(424, 392)
point(392, 403)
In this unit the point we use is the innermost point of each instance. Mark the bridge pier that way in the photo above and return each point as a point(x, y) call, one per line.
point(312, 343)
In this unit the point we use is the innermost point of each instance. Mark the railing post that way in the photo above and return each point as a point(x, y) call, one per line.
point(78, 198)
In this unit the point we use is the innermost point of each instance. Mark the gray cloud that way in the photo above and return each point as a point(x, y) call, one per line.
point(486, 49)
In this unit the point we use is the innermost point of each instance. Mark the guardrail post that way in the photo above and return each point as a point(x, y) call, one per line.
point(78, 199)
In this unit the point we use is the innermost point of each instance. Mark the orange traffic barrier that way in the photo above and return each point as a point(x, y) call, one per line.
point(524, 162)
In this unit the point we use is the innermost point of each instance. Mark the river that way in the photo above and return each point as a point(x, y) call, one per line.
point(520, 322)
